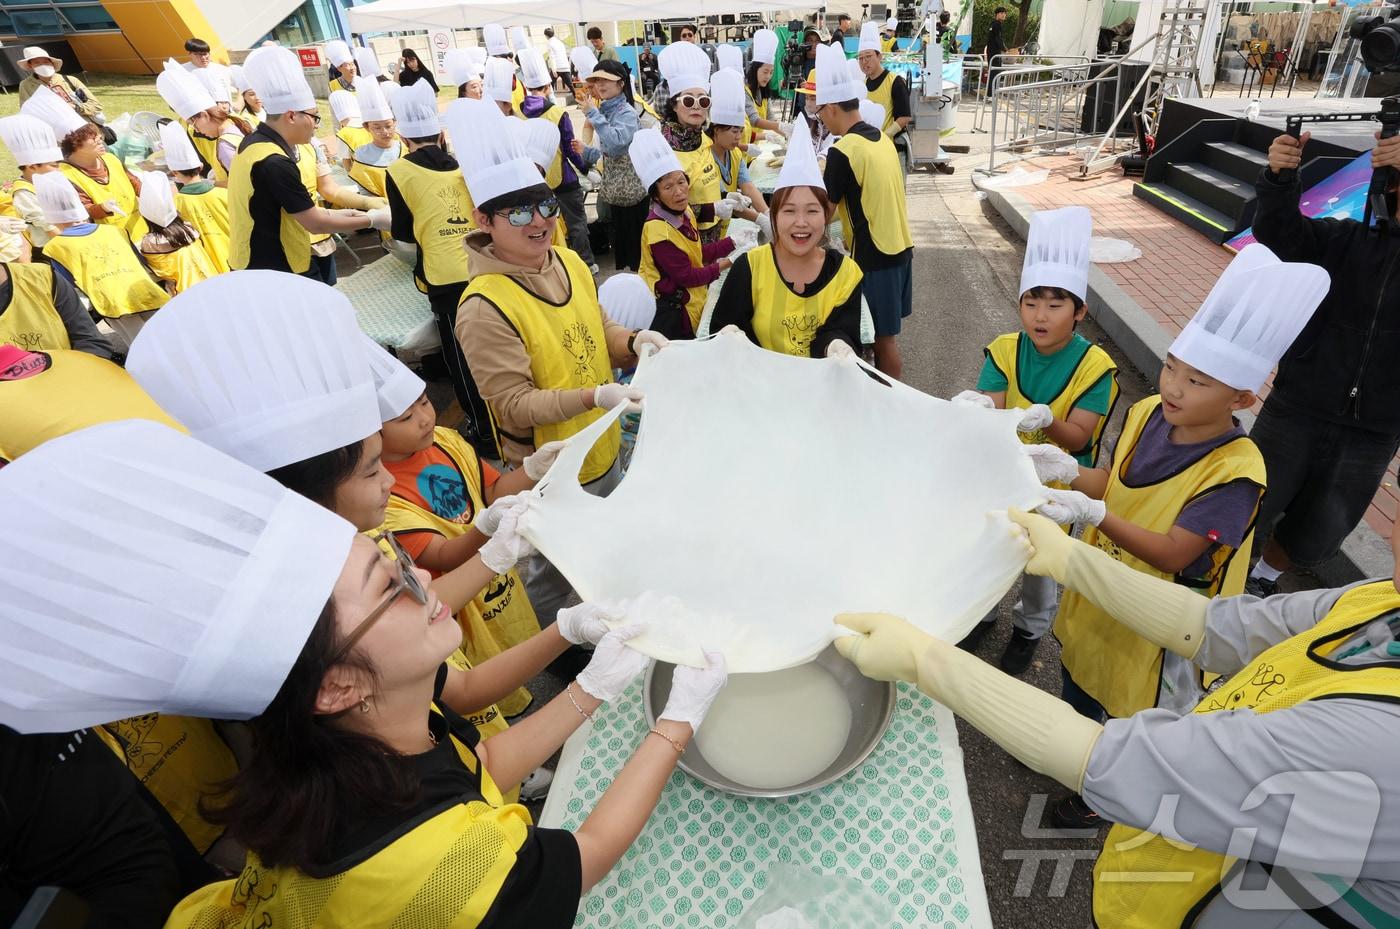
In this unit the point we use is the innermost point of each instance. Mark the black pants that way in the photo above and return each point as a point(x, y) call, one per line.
point(570, 197)
point(479, 429)
point(627, 222)
point(322, 269)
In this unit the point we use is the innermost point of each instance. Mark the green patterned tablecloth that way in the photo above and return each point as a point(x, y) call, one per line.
point(900, 824)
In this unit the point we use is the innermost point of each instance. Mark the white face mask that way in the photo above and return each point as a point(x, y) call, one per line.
point(44, 70)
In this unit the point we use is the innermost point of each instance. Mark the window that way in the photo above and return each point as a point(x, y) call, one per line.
point(53, 17)
point(36, 22)
point(88, 18)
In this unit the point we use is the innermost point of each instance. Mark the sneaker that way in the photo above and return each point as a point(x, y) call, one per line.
point(536, 786)
point(974, 638)
point(1072, 813)
point(943, 168)
point(1258, 587)
point(1019, 651)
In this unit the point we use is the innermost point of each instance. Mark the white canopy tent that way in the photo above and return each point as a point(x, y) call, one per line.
point(405, 15)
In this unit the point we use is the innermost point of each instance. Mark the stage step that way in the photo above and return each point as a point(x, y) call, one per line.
point(1202, 217)
point(1216, 189)
point(1235, 159)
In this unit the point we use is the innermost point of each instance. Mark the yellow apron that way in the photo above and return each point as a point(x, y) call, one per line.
point(883, 94)
point(118, 187)
point(208, 149)
point(1143, 881)
point(179, 759)
point(371, 177)
point(296, 241)
point(208, 212)
point(185, 266)
point(105, 267)
point(554, 175)
point(501, 615)
point(78, 390)
point(876, 169)
point(31, 321)
point(442, 214)
point(784, 321)
point(702, 172)
point(658, 230)
point(754, 133)
point(736, 158)
point(567, 347)
point(1113, 664)
point(354, 137)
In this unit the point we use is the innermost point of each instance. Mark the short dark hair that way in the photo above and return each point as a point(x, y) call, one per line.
point(196, 46)
point(425, 139)
point(843, 17)
point(1000, 9)
point(694, 30)
point(847, 106)
point(549, 32)
point(316, 478)
point(78, 138)
point(1054, 293)
point(526, 196)
point(945, 16)
point(594, 33)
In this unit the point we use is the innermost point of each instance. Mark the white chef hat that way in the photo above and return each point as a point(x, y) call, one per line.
point(869, 38)
point(31, 141)
point(519, 41)
point(651, 154)
point(1250, 318)
point(800, 167)
point(626, 299)
point(395, 386)
point(58, 198)
point(730, 57)
point(265, 366)
point(872, 113)
point(684, 66)
point(891, 25)
point(154, 574)
point(765, 46)
point(533, 70)
point(494, 37)
point(366, 62)
point(492, 157)
point(415, 108)
point(834, 78)
point(499, 81)
point(1057, 251)
point(338, 52)
point(180, 154)
point(540, 138)
point(727, 98)
point(345, 106)
point(182, 91)
point(239, 79)
point(461, 65)
point(583, 60)
point(857, 78)
point(49, 107)
point(157, 200)
point(275, 73)
point(213, 80)
point(373, 104)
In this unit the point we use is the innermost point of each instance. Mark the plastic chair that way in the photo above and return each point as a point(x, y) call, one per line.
point(147, 126)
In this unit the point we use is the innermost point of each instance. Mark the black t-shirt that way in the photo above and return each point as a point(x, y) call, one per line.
point(841, 184)
point(735, 305)
point(277, 189)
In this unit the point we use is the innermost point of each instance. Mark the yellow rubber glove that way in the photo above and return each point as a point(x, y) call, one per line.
point(888, 648)
point(1050, 546)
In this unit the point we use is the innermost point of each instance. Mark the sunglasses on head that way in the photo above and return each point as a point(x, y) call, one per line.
point(524, 214)
point(690, 101)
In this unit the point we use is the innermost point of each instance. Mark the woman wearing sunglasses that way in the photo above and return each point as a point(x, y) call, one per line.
point(366, 801)
point(686, 70)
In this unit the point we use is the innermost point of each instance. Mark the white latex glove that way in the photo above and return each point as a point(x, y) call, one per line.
point(786, 129)
point(724, 209)
point(380, 219)
point(614, 664)
point(694, 689)
point(540, 461)
point(113, 208)
point(585, 622)
point(974, 398)
point(489, 519)
point(840, 352)
point(731, 329)
point(649, 337)
point(776, 137)
point(12, 225)
point(741, 201)
point(765, 228)
point(608, 396)
point(1052, 463)
point(507, 547)
point(1037, 416)
point(595, 178)
point(1071, 506)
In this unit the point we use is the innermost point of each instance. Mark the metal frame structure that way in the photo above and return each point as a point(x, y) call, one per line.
point(1032, 115)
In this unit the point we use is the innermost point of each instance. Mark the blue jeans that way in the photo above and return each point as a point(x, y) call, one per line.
point(1083, 704)
point(322, 269)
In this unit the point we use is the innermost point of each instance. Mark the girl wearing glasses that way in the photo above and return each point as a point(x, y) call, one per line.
point(366, 800)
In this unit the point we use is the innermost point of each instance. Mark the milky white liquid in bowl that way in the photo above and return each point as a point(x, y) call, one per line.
point(776, 730)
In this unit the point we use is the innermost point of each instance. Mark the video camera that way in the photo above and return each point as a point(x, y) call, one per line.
point(1380, 41)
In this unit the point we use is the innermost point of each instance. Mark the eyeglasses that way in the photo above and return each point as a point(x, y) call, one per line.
point(315, 116)
point(690, 101)
point(524, 214)
point(407, 582)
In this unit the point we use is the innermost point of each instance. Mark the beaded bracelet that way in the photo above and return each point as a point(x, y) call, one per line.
point(680, 749)
point(582, 712)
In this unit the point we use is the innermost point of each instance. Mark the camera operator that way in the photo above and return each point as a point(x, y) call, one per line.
point(1331, 425)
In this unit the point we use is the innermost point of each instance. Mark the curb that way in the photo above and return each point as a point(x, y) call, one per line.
point(1364, 554)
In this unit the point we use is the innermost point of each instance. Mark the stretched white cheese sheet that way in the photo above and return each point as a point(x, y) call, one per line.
point(768, 493)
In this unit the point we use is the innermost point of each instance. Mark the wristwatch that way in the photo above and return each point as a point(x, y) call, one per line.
point(632, 341)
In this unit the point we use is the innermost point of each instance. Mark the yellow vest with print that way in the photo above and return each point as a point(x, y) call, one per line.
point(208, 150)
point(567, 348)
point(883, 94)
point(442, 215)
point(306, 167)
point(754, 133)
point(119, 188)
point(185, 266)
point(446, 872)
point(658, 230)
point(501, 615)
point(179, 759)
point(735, 158)
point(1286, 675)
point(784, 321)
point(208, 212)
point(31, 321)
point(1113, 664)
point(252, 119)
point(876, 169)
point(1094, 364)
point(106, 268)
point(354, 137)
point(78, 390)
point(296, 241)
point(702, 172)
point(371, 177)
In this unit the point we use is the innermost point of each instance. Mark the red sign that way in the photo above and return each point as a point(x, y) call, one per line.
point(310, 58)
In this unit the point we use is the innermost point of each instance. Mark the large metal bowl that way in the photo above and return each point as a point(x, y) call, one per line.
point(872, 705)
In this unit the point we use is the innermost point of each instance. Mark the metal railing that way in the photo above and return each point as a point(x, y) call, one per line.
point(1040, 108)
